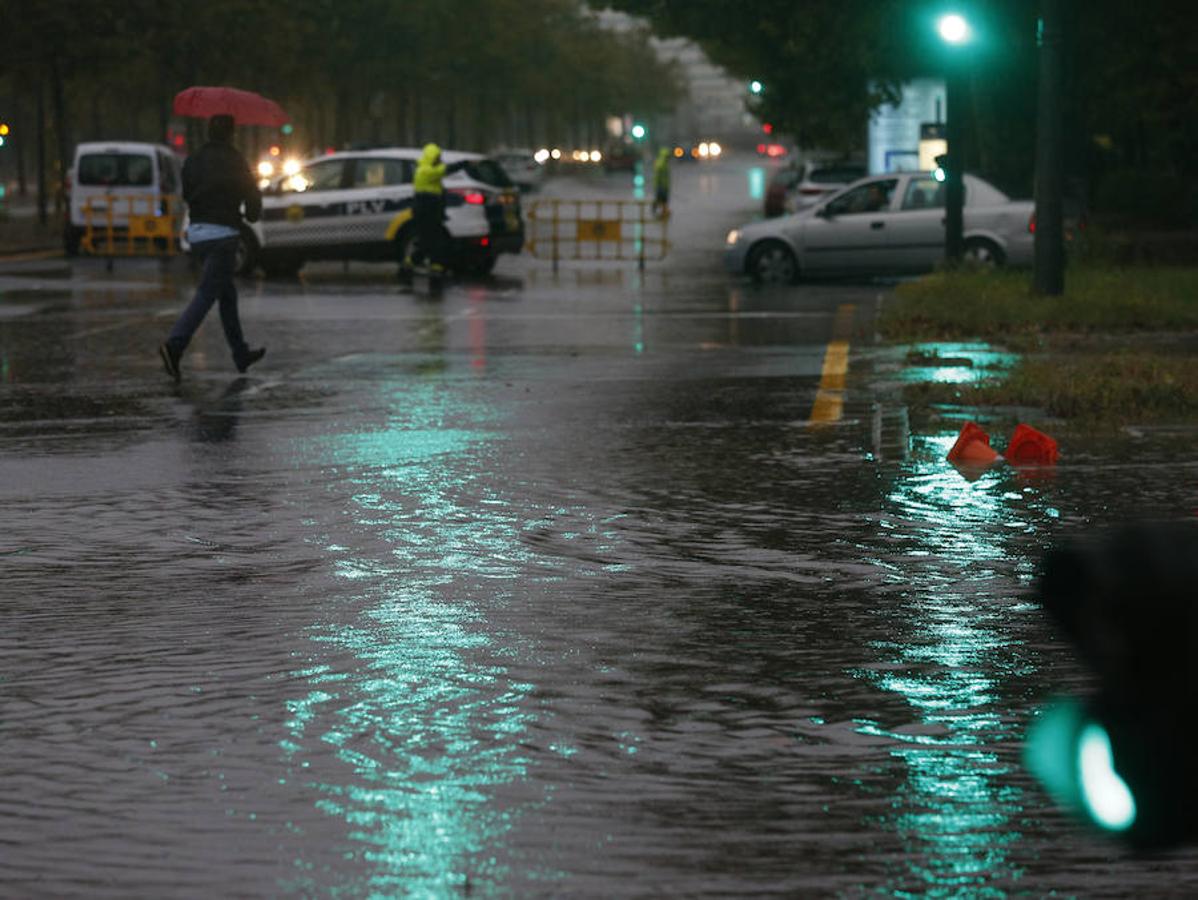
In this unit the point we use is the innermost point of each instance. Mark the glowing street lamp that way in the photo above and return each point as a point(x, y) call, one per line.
point(953, 29)
point(955, 32)
point(755, 87)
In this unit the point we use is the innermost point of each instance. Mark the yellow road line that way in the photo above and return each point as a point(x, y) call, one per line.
point(829, 398)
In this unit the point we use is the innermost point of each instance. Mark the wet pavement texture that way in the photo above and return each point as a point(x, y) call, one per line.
point(551, 587)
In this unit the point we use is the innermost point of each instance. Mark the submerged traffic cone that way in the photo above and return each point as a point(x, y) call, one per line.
point(1029, 447)
point(972, 447)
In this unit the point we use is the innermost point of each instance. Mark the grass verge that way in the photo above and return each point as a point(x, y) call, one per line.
point(990, 305)
point(1091, 390)
point(1117, 349)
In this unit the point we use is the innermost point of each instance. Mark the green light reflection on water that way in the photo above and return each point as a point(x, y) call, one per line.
point(954, 813)
point(415, 705)
point(953, 362)
point(756, 182)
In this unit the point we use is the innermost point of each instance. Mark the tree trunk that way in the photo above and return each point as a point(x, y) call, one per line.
point(41, 154)
point(20, 121)
point(60, 132)
point(164, 119)
point(401, 117)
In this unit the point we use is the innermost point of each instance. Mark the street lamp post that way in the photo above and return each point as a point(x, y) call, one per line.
point(955, 32)
point(1048, 275)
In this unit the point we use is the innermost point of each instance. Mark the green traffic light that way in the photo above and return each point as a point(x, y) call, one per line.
point(1070, 753)
point(953, 29)
point(755, 87)
point(639, 131)
point(1105, 794)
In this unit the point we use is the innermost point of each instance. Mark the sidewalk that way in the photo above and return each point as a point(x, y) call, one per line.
point(20, 230)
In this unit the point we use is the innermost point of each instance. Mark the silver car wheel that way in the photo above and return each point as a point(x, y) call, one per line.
point(983, 254)
point(773, 263)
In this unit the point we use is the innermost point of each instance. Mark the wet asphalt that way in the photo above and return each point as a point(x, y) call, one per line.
point(594, 582)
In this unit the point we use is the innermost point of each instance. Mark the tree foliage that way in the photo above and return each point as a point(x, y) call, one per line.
point(825, 65)
point(463, 72)
point(1132, 72)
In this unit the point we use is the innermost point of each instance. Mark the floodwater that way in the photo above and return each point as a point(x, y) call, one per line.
point(550, 588)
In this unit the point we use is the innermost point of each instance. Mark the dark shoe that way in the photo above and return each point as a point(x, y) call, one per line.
point(251, 357)
point(405, 275)
point(170, 360)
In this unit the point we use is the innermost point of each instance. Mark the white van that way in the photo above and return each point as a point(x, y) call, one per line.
point(130, 176)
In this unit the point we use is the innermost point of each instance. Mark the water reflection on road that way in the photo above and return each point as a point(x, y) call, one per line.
point(419, 709)
point(544, 589)
point(959, 809)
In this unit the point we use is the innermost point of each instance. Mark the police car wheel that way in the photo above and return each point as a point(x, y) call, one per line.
point(247, 254)
point(483, 264)
point(402, 244)
point(285, 266)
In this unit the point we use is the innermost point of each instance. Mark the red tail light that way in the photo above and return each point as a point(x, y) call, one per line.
point(1031, 224)
point(474, 198)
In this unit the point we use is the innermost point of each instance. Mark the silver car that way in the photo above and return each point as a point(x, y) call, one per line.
point(882, 225)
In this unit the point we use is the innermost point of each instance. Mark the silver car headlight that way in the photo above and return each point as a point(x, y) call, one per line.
point(733, 237)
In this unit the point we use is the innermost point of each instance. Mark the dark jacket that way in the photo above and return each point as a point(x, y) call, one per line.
point(216, 181)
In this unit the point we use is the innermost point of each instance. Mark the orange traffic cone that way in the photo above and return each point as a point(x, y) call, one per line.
point(972, 448)
point(1029, 447)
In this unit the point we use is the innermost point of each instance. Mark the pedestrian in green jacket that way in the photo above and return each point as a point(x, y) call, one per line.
point(431, 238)
point(661, 183)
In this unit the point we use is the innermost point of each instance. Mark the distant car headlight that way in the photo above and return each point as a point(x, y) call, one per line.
point(733, 237)
point(291, 167)
point(266, 168)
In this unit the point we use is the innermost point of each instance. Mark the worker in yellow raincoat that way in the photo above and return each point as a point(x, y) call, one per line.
point(431, 238)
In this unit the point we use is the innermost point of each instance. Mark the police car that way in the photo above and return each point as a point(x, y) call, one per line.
point(358, 205)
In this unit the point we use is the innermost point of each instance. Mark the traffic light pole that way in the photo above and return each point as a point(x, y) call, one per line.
point(1049, 261)
point(954, 178)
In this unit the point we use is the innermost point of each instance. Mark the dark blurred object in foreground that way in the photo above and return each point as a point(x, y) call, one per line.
point(1123, 758)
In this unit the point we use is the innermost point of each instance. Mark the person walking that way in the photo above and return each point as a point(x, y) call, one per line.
point(661, 183)
point(431, 238)
point(216, 182)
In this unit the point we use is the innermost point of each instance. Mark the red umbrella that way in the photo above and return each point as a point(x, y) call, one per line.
point(246, 107)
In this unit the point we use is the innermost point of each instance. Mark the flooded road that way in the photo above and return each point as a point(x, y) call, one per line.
point(550, 588)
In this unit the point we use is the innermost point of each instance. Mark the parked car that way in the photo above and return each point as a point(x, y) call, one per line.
point(521, 167)
point(126, 176)
point(884, 224)
point(357, 205)
point(803, 184)
point(772, 149)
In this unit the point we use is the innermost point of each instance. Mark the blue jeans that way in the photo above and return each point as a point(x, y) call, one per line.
point(218, 260)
